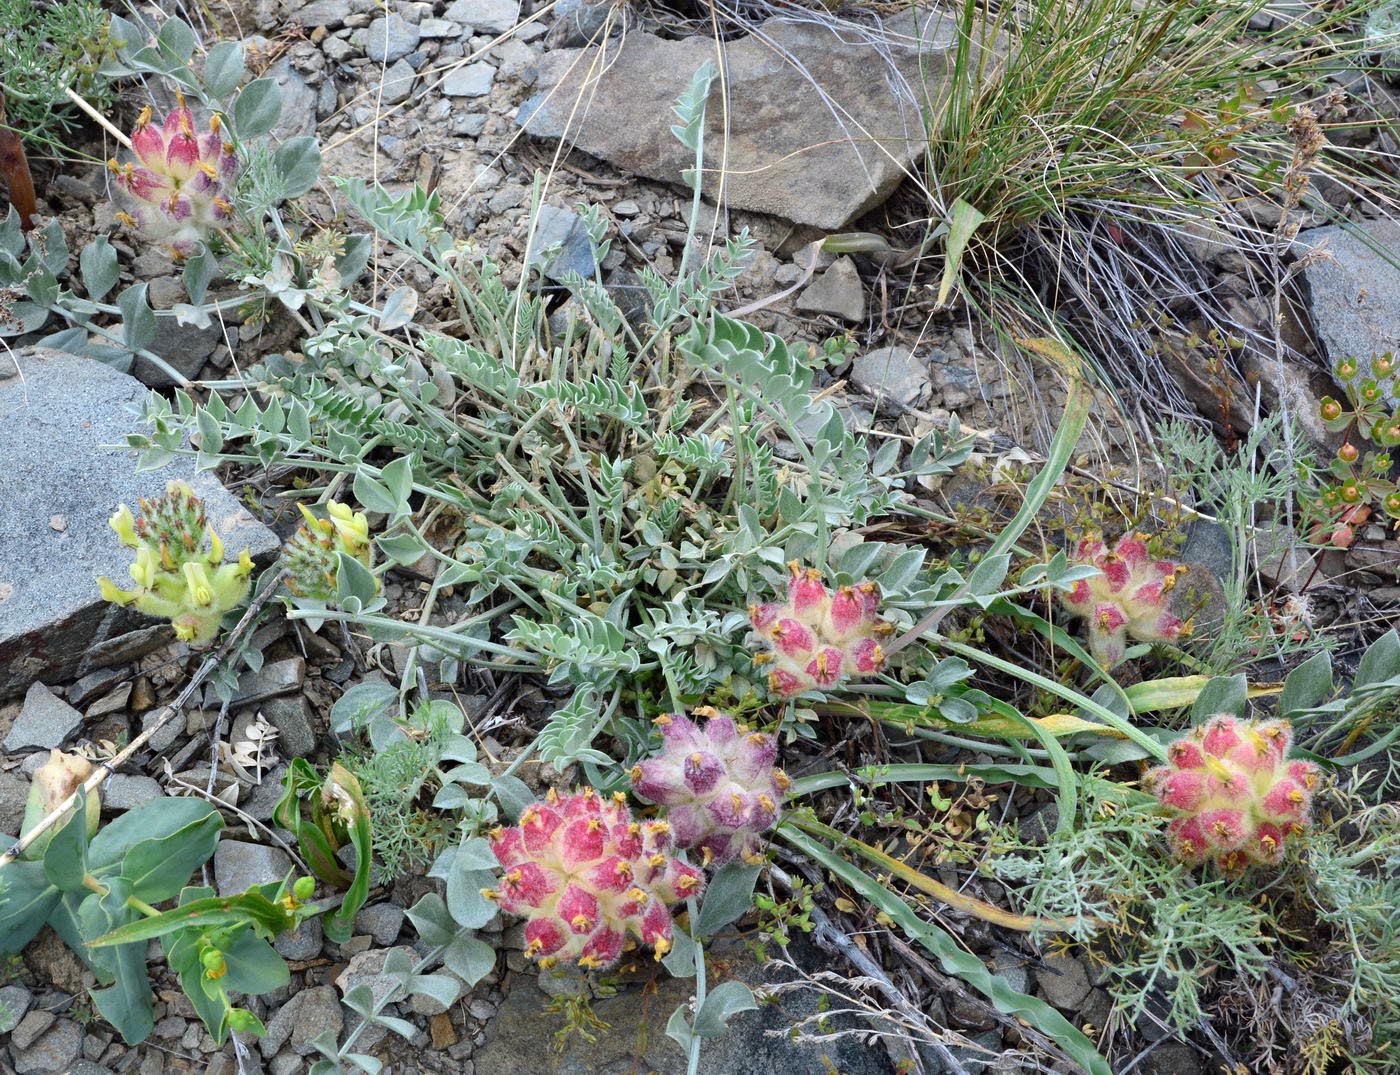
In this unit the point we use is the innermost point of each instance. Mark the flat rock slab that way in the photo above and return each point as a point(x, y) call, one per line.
point(1354, 295)
point(63, 471)
point(817, 148)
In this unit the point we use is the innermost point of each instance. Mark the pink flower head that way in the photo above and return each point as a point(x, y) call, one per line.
point(1235, 794)
point(1127, 599)
point(817, 638)
point(588, 878)
point(717, 782)
point(178, 185)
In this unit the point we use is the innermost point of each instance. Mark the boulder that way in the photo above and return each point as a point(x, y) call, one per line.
point(1353, 293)
point(823, 120)
point(61, 418)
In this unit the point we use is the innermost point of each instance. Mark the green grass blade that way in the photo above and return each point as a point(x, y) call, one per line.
point(953, 959)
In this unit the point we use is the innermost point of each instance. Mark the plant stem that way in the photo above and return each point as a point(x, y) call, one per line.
point(693, 1063)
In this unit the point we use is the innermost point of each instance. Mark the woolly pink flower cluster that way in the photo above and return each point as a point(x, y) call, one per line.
point(178, 187)
point(1236, 794)
point(817, 637)
point(586, 876)
point(1127, 599)
point(718, 784)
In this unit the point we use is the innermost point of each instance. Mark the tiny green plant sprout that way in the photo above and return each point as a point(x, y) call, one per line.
point(589, 879)
point(326, 815)
point(718, 784)
point(1356, 479)
point(180, 573)
point(177, 189)
point(312, 556)
point(1128, 598)
point(99, 890)
point(818, 637)
point(1236, 795)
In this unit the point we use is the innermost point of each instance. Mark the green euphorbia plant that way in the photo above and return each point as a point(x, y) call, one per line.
point(100, 893)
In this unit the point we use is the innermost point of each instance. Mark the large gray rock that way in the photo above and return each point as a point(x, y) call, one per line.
point(58, 425)
point(54, 1051)
point(636, 1040)
point(894, 375)
point(1354, 293)
point(825, 130)
point(45, 721)
point(14, 793)
point(238, 866)
point(306, 1015)
point(390, 38)
point(563, 228)
point(484, 16)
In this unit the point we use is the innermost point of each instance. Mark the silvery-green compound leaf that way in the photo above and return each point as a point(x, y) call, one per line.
point(690, 107)
point(399, 309)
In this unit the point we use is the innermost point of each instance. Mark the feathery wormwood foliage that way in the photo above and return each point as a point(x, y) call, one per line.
point(1161, 930)
point(1355, 884)
point(1165, 931)
point(1259, 482)
point(46, 48)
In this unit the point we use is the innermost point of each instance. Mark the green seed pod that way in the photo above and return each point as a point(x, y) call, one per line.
point(242, 1021)
point(304, 888)
point(213, 962)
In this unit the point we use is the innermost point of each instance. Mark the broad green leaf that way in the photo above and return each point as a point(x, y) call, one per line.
point(298, 162)
point(66, 858)
point(964, 220)
point(138, 319)
point(223, 68)
point(728, 896)
point(1380, 662)
point(470, 958)
point(722, 1003)
point(257, 109)
point(433, 922)
point(26, 900)
point(126, 1002)
point(159, 868)
point(1307, 685)
point(253, 965)
point(1223, 694)
point(150, 821)
point(399, 309)
point(99, 268)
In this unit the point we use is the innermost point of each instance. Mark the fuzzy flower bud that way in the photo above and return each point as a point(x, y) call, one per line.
point(177, 188)
point(311, 555)
point(818, 638)
point(1128, 598)
point(718, 784)
point(587, 877)
point(1235, 794)
point(53, 783)
point(179, 572)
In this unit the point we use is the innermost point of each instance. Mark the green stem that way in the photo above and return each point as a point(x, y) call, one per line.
point(142, 906)
point(1069, 694)
point(693, 1064)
